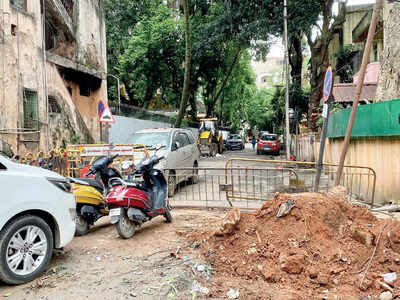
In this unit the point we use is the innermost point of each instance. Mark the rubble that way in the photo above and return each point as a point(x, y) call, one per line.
point(386, 296)
point(322, 243)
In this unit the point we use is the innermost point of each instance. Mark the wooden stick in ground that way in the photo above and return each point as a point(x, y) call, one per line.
point(258, 237)
point(373, 254)
point(360, 82)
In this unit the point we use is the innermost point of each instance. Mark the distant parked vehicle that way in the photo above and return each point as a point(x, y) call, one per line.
point(225, 135)
point(235, 141)
point(37, 215)
point(268, 143)
point(179, 149)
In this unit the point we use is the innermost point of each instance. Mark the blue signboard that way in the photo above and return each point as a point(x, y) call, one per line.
point(100, 108)
point(328, 83)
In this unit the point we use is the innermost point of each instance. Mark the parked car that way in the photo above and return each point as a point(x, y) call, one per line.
point(235, 141)
point(180, 150)
point(225, 135)
point(268, 143)
point(37, 215)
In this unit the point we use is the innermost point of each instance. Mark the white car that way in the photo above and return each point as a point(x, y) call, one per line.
point(37, 215)
point(180, 150)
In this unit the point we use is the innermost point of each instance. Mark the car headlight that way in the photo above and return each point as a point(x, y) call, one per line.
point(62, 184)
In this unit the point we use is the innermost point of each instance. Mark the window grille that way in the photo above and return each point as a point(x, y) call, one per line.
point(31, 110)
point(54, 108)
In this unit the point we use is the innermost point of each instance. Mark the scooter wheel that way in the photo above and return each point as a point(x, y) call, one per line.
point(81, 226)
point(126, 228)
point(167, 215)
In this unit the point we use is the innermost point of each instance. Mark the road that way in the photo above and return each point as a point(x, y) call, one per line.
point(249, 184)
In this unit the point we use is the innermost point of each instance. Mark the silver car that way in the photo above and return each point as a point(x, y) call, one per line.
point(180, 150)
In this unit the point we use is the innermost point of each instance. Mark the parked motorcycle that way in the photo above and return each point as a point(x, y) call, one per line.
point(132, 203)
point(90, 193)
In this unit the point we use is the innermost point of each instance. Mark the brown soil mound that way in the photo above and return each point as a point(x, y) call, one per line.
point(320, 250)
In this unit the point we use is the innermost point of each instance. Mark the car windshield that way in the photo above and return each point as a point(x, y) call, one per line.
point(207, 125)
point(151, 139)
point(268, 137)
point(235, 137)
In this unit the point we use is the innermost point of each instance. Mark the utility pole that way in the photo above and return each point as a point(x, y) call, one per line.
point(287, 80)
point(360, 82)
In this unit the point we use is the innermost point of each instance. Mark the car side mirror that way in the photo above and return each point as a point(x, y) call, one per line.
point(174, 146)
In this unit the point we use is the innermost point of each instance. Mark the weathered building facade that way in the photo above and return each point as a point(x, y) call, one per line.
point(52, 72)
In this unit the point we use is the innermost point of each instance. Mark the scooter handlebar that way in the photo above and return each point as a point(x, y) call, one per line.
point(89, 173)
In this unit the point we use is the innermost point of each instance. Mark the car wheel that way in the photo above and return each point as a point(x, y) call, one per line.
point(26, 249)
point(167, 214)
point(81, 226)
point(171, 184)
point(126, 228)
point(195, 177)
point(258, 152)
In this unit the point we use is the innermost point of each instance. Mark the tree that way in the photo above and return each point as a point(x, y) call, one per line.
point(389, 84)
point(185, 94)
point(121, 16)
point(151, 62)
point(319, 47)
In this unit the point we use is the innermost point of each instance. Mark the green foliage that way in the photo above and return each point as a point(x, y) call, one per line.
point(344, 64)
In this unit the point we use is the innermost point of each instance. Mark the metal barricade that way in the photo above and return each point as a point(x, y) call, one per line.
point(246, 188)
point(79, 157)
point(359, 181)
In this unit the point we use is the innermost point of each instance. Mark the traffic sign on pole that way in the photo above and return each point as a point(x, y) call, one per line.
point(328, 82)
point(100, 108)
point(106, 116)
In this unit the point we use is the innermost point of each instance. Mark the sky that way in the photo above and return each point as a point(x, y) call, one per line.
point(277, 48)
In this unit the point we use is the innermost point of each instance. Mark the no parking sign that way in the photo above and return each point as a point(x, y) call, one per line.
point(328, 84)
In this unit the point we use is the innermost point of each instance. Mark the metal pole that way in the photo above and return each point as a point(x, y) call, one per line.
point(101, 132)
point(287, 80)
point(370, 38)
point(119, 93)
point(322, 145)
point(119, 98)
point(45, 77)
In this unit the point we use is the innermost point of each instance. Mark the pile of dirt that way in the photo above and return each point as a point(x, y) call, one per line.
point(323, 248)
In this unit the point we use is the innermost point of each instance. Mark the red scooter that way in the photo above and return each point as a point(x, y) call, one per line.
point(131, 203)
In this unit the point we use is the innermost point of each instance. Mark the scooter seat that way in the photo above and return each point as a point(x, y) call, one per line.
point(94, 183)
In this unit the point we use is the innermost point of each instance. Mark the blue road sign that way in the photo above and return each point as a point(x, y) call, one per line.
point(100, 108)
point(328, 83)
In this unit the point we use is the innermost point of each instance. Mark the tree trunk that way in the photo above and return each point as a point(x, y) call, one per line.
point(185, 93)
point(232, 67)
point(296, 57)
point(389, 77)
point(320, 57)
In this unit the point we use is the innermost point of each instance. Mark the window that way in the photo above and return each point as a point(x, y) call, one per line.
point(191, 138)
point(31, 111)
point(84, 88)
point(151, 139)
point(181, 140)
point(50, 35)
point(21, 4)
point(268, 137)
point(13, 29)
point(186, 139)
point(54, 108)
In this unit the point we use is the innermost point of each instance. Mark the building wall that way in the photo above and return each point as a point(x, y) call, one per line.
point(354, 14)
point(22, 66)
